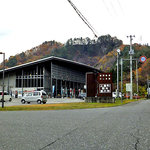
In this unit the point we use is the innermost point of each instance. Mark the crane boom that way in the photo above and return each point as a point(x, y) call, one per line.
point(83, 18)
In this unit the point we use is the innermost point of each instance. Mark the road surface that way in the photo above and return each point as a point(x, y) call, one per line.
point(118, 128)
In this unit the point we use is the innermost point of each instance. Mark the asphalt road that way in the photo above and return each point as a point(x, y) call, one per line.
point(118, 128)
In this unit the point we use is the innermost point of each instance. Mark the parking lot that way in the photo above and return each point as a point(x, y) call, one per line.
point(17, 101)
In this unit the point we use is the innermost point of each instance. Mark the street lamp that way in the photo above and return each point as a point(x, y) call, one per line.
point(118, 52)
point(121, 78)
point(3, 77)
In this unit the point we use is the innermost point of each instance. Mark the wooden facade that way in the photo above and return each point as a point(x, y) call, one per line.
point(57, 76)
point(99, 84)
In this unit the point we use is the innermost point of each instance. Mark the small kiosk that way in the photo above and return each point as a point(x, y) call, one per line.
point(99, 87)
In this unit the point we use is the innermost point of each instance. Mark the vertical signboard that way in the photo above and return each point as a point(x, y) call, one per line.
point(104, 84)
point(91, 84)
point(128, 87)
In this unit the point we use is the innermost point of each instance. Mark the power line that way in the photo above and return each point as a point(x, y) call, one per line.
point(111, 7)
point(114, 10)
point(83, 18)
point(121, 8)
point(107, 8)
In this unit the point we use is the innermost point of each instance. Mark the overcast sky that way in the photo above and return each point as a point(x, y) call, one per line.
point(25, 24)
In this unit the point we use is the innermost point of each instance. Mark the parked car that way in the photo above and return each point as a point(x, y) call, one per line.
point(82, 96)
point(36, 96)
point(7, 97)
point(114, 94)
point(136, 97)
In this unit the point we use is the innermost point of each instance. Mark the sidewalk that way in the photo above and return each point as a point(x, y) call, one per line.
point(63, 100)
point(17, 101)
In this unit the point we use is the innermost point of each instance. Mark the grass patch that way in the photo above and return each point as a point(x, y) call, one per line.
point(64, 106)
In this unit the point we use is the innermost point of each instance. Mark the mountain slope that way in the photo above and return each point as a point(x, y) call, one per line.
point(41, 51)
point(86, 50)
point(100, 53)
point(78, 49)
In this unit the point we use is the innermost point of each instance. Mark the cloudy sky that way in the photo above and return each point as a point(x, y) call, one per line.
point(25, 24)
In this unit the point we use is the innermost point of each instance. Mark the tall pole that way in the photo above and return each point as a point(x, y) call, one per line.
point(148, 88)
point(51, 79)
point(121, 77)
point(118, 52)
point(117, 76)
point(148, 91)
point(3, 79)
point(137, 84)
point(22, 82)
point(131, 52)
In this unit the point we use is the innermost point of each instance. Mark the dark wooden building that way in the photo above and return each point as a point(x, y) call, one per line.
point(57, 76)
point(99, 87)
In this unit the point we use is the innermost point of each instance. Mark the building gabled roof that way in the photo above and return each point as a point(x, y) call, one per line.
point(51, 58)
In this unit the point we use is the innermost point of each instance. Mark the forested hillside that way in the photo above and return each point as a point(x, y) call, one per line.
point(100, 53)
point(86, 50)
point(143, 68)
point(41, 51)
point(78, 49)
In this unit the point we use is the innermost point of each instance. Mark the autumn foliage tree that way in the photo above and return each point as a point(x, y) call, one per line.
point(144, 72)
point(100, 53)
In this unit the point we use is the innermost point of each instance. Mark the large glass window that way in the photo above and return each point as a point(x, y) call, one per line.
point(30, 77)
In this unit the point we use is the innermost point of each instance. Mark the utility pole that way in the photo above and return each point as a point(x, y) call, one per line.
point(148, 83)
point(131, 52)
point(3, 77)
point(121, 77)
point(137, 84)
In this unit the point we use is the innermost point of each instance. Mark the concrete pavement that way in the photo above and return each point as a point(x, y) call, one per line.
point(17, 101)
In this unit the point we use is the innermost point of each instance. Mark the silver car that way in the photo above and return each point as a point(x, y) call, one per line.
point(36, 96)
point(7, 97)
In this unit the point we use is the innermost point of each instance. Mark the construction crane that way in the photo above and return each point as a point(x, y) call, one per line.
point(84, 19)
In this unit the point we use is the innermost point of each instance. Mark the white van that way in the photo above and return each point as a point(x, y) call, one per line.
point(36, 96)
point(7, 97)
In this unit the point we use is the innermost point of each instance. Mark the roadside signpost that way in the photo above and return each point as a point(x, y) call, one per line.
point(128, 87)
point(142, 59)
point(148, 88)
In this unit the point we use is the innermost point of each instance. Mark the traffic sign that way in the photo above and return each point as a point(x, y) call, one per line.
point(128, 87)
point(143, 59)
